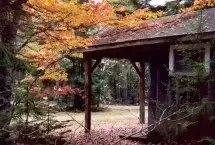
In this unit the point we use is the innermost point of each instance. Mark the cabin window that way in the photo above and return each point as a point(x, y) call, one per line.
point(182, 58)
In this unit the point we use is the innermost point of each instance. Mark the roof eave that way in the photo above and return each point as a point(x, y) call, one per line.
point(149, 41)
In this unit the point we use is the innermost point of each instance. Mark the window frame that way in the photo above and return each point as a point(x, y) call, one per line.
point(206, 62)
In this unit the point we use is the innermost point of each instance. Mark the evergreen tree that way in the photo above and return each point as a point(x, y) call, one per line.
point(11, 13)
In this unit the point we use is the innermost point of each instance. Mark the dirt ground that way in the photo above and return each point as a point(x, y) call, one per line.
point(114, 114)
point(106, 126)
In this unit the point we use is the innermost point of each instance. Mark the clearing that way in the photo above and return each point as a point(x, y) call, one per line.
point(113, 114)
point(107, 126)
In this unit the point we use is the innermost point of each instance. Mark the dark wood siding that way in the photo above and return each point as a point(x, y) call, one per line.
point(159, 63)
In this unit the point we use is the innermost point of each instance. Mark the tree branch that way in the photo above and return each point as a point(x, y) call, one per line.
point(17, 4)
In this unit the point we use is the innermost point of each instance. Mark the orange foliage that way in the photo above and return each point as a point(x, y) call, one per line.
point(62, 26)
point(56, 24)
point(199, 4)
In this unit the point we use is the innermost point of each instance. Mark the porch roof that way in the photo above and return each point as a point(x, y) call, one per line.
point(164, 29)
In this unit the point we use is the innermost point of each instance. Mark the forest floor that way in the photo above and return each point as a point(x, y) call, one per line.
point(113, 113)
point(67, 128)
point(107, 126)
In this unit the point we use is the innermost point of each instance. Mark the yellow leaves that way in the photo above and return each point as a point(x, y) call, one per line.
point(52, 5)
point(120, 9)
point(200, 4)
point(47, 59)
point(137, 18)
point(49, 3)
point(153, 15)
point(40, 57)
point(77, 55)
point(59, 22)
point(55, 74)
point(140, 14)
point(147, 14)
point(72, 14)
point(67, 35)
point(204, 3)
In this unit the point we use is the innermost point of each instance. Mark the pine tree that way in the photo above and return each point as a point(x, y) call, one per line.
point(10, 15)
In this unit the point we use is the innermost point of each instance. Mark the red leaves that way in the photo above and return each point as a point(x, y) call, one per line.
point(64, 91)
point(39, 96)
point(34, 91)
point(82, 30)
point(46, 92)
point(102, 8)
point(37, 93)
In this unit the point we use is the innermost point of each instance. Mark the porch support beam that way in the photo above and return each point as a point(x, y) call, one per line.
point(141, 72)
point(96, 64)
point(135, 67)
point(142, 92)
point(88, 89)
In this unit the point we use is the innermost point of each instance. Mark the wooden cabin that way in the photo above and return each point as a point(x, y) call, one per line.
point(156, 46)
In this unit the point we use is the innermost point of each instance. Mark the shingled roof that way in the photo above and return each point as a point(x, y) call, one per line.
point(175, 25)
point(157, 30)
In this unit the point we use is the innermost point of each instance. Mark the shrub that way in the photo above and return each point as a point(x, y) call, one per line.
point(70, 98)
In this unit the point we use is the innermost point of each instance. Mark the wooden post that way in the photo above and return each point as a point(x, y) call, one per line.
point(88, 89)
point(141, 72)
point(142, 92)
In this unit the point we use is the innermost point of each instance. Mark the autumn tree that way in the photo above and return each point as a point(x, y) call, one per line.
point(12, 23)
point(48, 30)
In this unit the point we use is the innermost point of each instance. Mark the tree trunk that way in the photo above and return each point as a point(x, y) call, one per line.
point(8, 31)
point(5, 90)
point(5, 86)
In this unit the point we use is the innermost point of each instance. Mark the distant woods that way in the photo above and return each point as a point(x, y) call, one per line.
point(114, 81)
